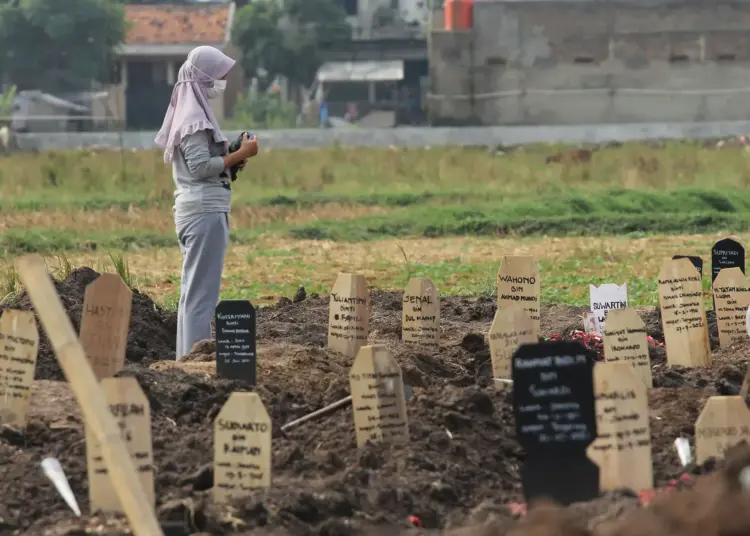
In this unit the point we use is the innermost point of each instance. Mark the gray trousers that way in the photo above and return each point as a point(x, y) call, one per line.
point(204, 239)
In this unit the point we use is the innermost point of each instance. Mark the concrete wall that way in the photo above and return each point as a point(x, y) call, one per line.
point(412, 137)
point(594, 61)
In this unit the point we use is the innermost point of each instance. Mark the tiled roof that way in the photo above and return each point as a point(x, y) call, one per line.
point(176, 24)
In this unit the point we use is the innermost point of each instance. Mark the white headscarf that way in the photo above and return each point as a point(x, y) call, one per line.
point(189, 111)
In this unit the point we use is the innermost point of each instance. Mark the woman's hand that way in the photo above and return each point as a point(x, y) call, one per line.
point(249, 146)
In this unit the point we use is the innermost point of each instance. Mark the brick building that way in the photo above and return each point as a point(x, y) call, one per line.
point(593, 61)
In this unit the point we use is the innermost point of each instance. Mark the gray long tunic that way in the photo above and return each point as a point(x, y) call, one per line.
point(196, 170)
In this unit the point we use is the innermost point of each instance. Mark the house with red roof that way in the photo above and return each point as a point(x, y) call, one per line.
point(158, 41)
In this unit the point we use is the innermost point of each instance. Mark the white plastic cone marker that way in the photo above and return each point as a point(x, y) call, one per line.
point(54, 471)
point(683, 450)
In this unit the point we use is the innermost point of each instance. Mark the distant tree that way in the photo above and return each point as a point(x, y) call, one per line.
point(46, 47)
point(287, 39)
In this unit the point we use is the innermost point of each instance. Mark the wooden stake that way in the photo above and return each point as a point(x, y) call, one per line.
point(723, 422)
point(348, 314)
point(518, 282)
point(242, 448)
point(683, 316)
point(89, 395)
point(622, 449)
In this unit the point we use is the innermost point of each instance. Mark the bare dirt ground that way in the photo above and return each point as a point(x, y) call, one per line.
point(322, 484)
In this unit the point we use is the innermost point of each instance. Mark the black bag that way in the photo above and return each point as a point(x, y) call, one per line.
point(233, 148)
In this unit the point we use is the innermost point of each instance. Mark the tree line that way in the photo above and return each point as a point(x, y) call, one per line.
point(59, 50)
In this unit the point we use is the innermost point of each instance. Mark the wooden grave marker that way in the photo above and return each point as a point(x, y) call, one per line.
point(19, 345)
point(89, 395)
point(518, 282)
point(622, 449)
point(378, 402)
point(604, 298)
point(553, 404)
point(420, 317)
point(731, 300)
point(348, 314)
point(242, 448)
point(105, 321)
point(236, 356)
point(723, 423)
point(683, 314)
point(510, 327)
point(726, 253)
point(695, 260)
point(132, 412)
point(626, 341)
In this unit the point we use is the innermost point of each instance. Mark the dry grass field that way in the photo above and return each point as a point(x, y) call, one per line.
point(300, 216)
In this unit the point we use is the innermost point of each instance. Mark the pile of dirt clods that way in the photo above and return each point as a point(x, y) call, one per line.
point(152, 330)
point(458, 473)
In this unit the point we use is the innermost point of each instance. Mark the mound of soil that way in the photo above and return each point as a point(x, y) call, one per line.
point(461, 465)
point(152, 330)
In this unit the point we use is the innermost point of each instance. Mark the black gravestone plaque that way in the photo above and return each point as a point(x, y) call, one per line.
point(554, 407)
point(696, 261)
point(726, 253)
point(235, 340)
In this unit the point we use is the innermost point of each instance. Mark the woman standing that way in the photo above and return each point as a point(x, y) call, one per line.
point(198, 151)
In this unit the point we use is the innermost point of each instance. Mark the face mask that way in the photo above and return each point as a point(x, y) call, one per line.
point(217, 90)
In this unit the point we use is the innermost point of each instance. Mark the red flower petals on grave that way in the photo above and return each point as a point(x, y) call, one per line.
point(654, 342)
point(646, 496)
point(591, 341)
point(687, 479)
point(414, 521)
point(594, 342)
point(517, 509)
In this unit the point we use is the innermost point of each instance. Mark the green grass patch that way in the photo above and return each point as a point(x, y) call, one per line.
point(48, 241)
point(572, 213)
point(24, 241)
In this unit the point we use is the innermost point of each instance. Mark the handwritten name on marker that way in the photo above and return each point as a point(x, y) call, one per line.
point(622, 448)
point(19, 345)
point(626, 341)
point(604, 298)
point(348, 314)
point(420, 317)
point(105, 321)
point(510, 328)
point(518, 282)
point(378, 401)
point(131, 410)
point(683, 314)
point(723, 423)
point(242, 448)
point(731, 300)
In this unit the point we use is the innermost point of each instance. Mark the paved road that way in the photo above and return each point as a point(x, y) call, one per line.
point(415, 137)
